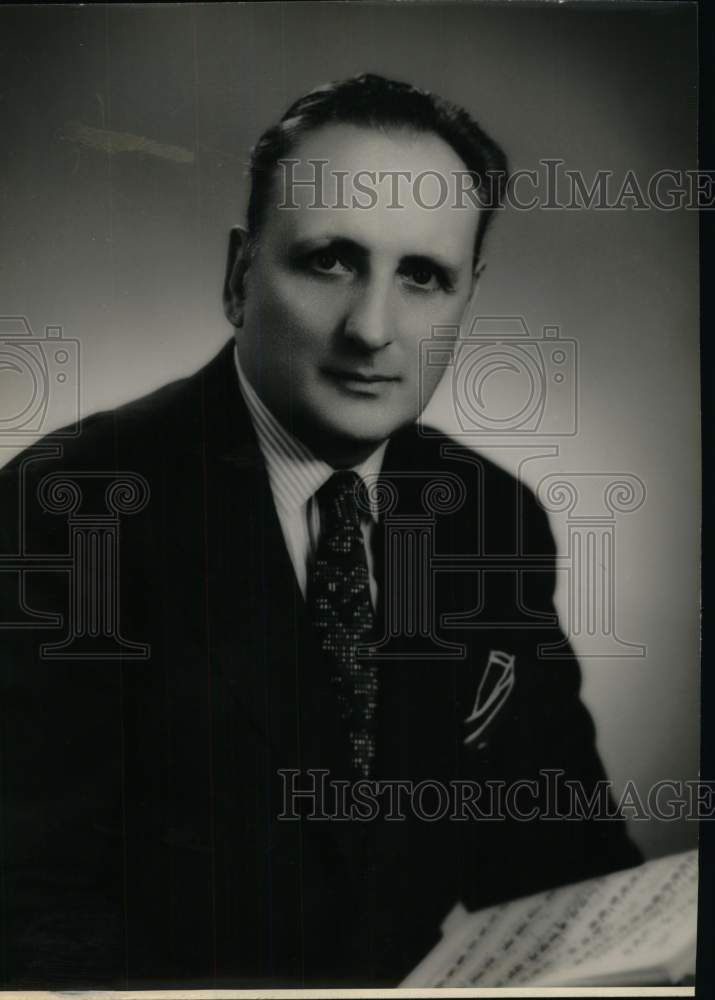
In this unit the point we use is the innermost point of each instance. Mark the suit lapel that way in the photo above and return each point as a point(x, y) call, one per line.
point(429, 677)
point(275, 671)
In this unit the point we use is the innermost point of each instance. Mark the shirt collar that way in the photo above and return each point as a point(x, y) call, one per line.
point(294, 472)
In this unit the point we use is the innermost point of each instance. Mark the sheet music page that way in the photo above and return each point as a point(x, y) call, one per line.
point(634, 925)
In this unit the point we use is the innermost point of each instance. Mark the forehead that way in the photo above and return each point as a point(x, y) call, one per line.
point(397, 191)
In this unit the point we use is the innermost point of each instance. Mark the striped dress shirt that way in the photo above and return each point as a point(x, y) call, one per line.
point(295, 476)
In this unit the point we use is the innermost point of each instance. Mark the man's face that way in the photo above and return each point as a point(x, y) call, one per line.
point(337, 300)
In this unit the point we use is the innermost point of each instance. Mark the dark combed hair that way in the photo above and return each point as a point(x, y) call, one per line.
point(375, 102)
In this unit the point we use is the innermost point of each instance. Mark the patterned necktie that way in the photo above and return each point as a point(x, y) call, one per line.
point(341, 608)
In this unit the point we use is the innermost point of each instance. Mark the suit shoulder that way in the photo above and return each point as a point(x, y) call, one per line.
point(132, 430)
point(509, 506)
point(443, 450)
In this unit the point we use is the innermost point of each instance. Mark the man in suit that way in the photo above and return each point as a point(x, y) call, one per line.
point(208, 780)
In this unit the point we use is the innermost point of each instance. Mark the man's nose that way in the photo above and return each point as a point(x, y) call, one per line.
point(370, 320)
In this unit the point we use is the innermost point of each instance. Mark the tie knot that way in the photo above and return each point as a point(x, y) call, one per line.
point(338, 499)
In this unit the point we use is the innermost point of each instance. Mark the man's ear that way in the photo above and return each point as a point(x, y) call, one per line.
point(237, 263)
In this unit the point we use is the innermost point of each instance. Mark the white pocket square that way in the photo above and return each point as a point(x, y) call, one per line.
point(492, 693)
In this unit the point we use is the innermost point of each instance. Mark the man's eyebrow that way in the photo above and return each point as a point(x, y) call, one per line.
point(358, 250)
point(344, 244)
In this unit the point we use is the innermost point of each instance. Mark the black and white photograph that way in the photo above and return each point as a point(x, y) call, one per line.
point(350, 498)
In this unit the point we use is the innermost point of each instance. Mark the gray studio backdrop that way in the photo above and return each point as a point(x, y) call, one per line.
point(125, 132)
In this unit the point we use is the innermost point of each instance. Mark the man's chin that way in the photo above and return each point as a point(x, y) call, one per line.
point(346, 444)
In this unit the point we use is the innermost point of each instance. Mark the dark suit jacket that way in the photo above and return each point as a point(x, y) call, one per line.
point(141, 837)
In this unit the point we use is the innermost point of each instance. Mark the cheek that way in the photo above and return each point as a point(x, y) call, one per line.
point(418, 341)
point(420, 316)
point(301, 313)
point(428, 365)
point(429, 378)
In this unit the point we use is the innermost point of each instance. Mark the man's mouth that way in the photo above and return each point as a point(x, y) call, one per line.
point(360, 383)
point(368, 378)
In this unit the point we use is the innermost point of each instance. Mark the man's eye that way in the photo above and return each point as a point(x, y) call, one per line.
point(423, 277)
point(327, 261)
